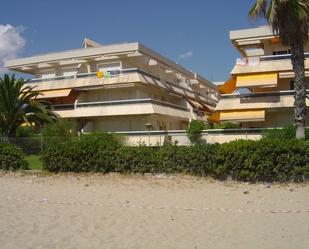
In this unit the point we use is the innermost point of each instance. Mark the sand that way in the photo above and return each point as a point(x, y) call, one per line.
point(114, 211)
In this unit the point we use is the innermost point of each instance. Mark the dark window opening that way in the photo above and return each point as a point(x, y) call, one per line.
point(292, 85)
point(282, 52)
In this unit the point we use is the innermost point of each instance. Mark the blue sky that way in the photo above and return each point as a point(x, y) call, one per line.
point(193, 33)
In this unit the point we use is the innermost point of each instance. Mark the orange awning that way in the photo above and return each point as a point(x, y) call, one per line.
point(214, 118)
point(229, 86)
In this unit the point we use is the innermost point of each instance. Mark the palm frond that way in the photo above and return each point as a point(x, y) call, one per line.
point(258, 10)
point(19, 104)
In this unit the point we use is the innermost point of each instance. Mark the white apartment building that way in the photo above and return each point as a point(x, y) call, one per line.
point(119, 87)
point(265, 72)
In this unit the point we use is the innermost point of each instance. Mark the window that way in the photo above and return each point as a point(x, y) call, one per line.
point(46, 74)
point(292, 85)
point(107, 67)
point(281, 52)
point(69, 71)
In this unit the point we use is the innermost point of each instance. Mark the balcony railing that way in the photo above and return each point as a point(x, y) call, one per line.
point(256, 60)
point(115, 73)
point(63, 107)
point(261, 94)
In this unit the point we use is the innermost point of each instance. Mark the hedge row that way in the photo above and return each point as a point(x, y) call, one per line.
point(12, 158)
point(264, 160)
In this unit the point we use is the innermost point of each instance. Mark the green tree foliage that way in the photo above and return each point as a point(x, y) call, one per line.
point(19, 105)
point(60, 128)
point(194, 131)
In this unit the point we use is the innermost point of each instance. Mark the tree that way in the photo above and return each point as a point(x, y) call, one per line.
point(19, 105)
point(290, 20)
point(194, 131)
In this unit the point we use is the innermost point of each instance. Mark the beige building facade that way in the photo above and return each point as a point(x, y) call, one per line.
point(260, 91)
point(119, 87)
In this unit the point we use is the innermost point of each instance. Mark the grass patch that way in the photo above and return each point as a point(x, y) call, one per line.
point(34, 162)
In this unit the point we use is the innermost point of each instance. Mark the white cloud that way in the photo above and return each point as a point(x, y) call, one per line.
point(188, 54)
point(11, 43)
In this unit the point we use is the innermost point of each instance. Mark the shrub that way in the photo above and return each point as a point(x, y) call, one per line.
point(245, 160)
point(264, 160)
point(141, 159)
point(226, 125)
point(60, 128)
point(12, 158)
point(196, 160)
point(26, 131)
point(194, 131)
point(287, 132)
point(90, 152)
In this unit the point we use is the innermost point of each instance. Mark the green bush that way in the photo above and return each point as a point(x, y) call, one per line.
point(245, 160)
point(194, 131)
point(60, 128)
point(26, 131)
point(287, 132)
point(266, 160)
point(141, 159)
point(12, 158)
point(90, 152)
point(226, 125)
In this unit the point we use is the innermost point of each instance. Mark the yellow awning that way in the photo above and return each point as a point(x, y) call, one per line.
point(243, 116)
point(54, 93)
point(252, 80)
point(229, 86)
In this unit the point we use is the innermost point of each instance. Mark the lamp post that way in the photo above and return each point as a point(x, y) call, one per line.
point(149, 127)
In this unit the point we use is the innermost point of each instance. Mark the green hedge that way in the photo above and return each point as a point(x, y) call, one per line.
point(264, 160)
point(287, 132)
point(12, 158)
point(88, 153)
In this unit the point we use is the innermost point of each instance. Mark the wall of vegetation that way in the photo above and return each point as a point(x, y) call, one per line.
point(264, 160)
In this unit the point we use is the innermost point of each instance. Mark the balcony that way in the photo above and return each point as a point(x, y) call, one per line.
point(122, 107)
point(123, 76)
point(265, 63)
point(266, 100)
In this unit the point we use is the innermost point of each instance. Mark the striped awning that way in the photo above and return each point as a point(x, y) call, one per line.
point(54, 93)
point(243, 116)
point(253, 80)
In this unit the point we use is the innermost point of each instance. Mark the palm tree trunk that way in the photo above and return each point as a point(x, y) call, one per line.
point(299, 87)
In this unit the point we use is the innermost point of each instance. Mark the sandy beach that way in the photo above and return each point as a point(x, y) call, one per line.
point(114, 211)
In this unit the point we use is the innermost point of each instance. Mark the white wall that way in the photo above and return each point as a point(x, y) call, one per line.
point(157, 138)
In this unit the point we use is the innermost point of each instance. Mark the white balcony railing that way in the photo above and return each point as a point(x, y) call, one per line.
point(77, 105)
point(256, 60)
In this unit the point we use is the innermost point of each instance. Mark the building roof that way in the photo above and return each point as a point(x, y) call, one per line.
point(94, 50)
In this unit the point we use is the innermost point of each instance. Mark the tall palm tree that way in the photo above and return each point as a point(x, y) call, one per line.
point(19, 105)
point(290, 20)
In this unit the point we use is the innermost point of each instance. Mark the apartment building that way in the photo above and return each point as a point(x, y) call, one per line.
point(119, 87)
point(260, 91)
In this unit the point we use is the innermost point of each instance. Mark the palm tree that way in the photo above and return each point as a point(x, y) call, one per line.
point(289, 19)
point(19, 105)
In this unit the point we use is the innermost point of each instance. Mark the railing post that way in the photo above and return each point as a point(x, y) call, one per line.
point(41, 138)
